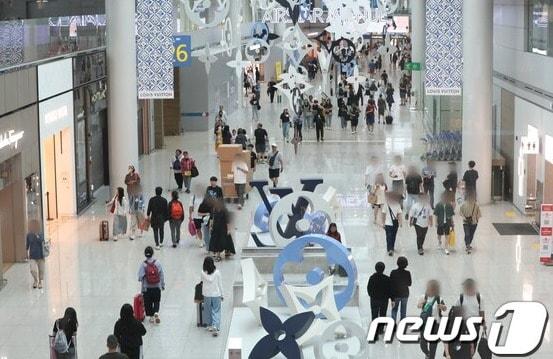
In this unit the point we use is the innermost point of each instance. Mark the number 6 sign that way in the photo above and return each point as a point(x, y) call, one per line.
point(182, 47)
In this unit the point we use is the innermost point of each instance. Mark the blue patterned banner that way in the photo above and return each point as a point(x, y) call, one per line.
point(12, 42)
point(154, 48)
point(444, 47)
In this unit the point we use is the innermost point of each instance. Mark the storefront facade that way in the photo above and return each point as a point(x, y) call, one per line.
point(20, 190)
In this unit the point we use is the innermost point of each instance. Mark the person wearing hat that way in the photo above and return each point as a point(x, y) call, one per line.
point(113, 344)
point(150, 274)
point(276, 164)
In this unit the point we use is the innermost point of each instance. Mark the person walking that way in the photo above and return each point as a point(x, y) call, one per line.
point(457, 349)
point(69, 324)
point(187, 164)
point(381, 104)
point(129, 332)
point(157, 212)
point(353, 115)
point(36, 245)
point(401, 281)
point(212, 291)
point(421, 217)
point(136, 200)
point(444, 221)
point(119, 207)
point(428, 176)
point(397, 173)
point(298, 125)
point(113, 345)
point(413, 185)
point(240, 172)
point(319, 121)
point(176, 168)
point(431, 306)
point(276, 164)
point(176, 217)
point(285, 124)
point(450, 183)
point(470, 212)
point(391, 213)
point(470, 177)
point(214, 191)
point(378, 190)
point(220, 239)
point(254, 102)
point(470, 301)
point(261, 139)
point(390, 96)
point(150, 274)
point(379, 289)
point(271, 89)
point(370, 115)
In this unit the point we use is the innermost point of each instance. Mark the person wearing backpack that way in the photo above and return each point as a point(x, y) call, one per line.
point(381, 104)
point(212, 290)
point(65, 329)
point(400, 279)
point(444, 221)
point(421, 217)
point(470, 212)
point(431, 306)
point(187, 164)
point(176, 217)
point(470, 301)
point(276, 164)
point(129, 332)
point(175, 166)
point(157, 212)
point(150, 274)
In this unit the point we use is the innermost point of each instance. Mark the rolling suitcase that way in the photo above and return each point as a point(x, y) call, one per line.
point(104, 231)
point(389, 120)
point(138, 307)
point(200, 315)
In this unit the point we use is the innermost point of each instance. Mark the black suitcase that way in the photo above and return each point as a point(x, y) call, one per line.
point(199, 315)
point(104, 231)
point(389, 120)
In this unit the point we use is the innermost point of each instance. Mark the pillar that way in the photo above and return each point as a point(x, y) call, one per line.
point(418, 48)
point(122, 100)
point(477, 91)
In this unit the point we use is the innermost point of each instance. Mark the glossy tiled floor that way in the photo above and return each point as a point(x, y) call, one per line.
point(97, 278)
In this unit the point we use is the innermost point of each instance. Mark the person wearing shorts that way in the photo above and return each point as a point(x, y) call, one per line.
point(261, 137)
point(276, 164)
point(444, 221)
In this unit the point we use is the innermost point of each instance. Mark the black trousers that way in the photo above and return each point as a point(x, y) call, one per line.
point(379, 308)
point(158, 234)
point(272, 96)
point(179, 179)
point(320, 133)
point(470, 230)
point(421, 235)
point(152, 297)
point(429, 349)
point(299, 128)
point(429, 189)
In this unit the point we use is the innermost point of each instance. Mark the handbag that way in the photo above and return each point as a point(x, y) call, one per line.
point(483, 348)
point(452, 239)
point(372, 198)
point(145, 225)
point(194, 171)
point(192, 228)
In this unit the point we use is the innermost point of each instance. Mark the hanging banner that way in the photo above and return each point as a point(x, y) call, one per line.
point(444, 47)
point(182, 45)
point(154, 49)
point(546, 234)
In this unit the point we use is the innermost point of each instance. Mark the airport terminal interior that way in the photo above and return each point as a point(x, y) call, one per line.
point(273, 178)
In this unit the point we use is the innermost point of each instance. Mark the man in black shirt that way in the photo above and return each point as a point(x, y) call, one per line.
point(469, 179)
point(112, 344)
point(261, 138)
point(379, 290)
point(214, 191)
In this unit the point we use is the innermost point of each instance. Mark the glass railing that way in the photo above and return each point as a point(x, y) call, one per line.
point(25, 41)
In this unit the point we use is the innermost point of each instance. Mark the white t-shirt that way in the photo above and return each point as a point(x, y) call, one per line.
point(239, 176)
point(397, 172)
point(422, 213)
point(212, 284)
point(470, 305)
point(435, 308)
point(395, 209)
point(371, 172)
point(277, 162)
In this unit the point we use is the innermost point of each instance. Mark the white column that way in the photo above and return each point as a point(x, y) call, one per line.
point(122, 109)
point(477, 91)
point(418, 46)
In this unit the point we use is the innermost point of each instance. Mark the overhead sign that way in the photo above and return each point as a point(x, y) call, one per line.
point(10, 137)
point(413, 66)
point(182, 45)
point(444, 47)
point(154, 49)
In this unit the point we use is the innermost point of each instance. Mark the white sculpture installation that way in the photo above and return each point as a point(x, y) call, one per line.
point(294, 296)
point(255, 288)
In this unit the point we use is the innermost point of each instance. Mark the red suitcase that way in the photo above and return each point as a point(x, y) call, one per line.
point(138, 307)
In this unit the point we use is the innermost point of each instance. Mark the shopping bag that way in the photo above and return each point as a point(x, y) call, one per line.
point(483, 348)
point(452, 239)
point(372, 198)
point(192, 228)
point(145, 225)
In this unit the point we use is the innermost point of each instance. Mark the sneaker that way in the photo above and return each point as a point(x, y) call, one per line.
point(210, 328)
point(158, 247)
point(215, 333)
point(239, 206)
point(187, 190)
point(202, 244)
point(469, 250)
point(152, 320)
point(161, 244)
point(390, 253)
point(131, 238)
point(421, 252)
point(35, 285)
point(115, 239)
point(174, 245)
point(40, 285)
point(446, 251)
point(156, 318)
